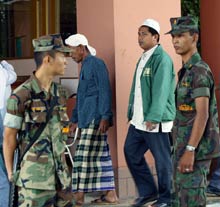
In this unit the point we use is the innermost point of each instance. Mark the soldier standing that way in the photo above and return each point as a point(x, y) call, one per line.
point(196, 130)
point(43, 170)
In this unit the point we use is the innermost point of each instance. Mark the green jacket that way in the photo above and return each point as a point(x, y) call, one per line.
point(157, 86)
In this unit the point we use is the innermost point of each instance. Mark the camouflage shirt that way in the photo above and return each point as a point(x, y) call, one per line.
point(195, 80)
point(44, 165)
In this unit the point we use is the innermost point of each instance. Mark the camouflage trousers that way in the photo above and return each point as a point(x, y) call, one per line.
point(43, 198)
point(190, 188)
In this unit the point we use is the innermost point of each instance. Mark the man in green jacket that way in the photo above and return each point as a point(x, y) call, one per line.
point(151, 112)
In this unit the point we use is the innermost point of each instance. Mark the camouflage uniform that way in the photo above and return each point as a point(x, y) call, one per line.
point(195, 80)
point(43, 170)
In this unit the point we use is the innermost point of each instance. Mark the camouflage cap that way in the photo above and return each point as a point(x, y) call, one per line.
point(48, 43)
point(183, 24)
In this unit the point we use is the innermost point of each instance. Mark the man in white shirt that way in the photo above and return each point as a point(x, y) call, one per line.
point(151, 112)
point(7, 77)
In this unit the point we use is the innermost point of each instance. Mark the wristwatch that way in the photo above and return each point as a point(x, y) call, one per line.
point(190, 148)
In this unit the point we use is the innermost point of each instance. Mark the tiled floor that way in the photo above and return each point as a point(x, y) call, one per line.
point(213, 205)
point(212, 202)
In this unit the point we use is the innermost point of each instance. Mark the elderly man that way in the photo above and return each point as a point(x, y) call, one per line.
point(92, 170)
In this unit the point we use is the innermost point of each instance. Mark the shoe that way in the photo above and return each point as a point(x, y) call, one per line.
point(140, 201)
point(159, 205)
point(212, 192)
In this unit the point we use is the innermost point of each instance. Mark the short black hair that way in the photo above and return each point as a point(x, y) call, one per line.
point(39, 56)
point(154, 32)
point(193, 31)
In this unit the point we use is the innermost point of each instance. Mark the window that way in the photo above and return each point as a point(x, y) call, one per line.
point(23, 20)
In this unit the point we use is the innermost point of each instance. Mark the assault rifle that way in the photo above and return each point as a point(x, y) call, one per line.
point(13, 193)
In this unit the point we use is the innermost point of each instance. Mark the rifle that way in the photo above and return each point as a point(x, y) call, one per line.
point(13, 193)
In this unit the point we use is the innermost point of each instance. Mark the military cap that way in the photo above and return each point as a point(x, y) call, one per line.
point(48, 43)
point(183, 24)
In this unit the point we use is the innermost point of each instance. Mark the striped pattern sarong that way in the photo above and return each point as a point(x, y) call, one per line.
point(92, 169)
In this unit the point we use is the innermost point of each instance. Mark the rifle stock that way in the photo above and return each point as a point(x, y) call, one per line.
point(13, 194)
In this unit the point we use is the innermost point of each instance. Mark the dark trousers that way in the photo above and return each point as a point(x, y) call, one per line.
point(215, 178)
point(137, 143)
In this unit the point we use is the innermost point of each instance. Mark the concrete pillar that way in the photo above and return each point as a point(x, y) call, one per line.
point(111, 27)
point(210, 45)
point(210, 39)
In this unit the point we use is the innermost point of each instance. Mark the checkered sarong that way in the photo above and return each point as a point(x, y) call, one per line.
point(92, 169)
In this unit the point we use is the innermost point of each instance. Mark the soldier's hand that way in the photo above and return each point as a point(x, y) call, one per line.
point(72, 128)
point(10, 177)
point(186, 162)
point(103, 126)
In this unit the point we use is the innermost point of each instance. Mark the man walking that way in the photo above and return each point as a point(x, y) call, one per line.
point(37, 112)
point(7, 77)
point(92, 170)
point(151, 112)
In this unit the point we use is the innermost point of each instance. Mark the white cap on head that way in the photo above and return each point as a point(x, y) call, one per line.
point(79, 39)
point(152, 23)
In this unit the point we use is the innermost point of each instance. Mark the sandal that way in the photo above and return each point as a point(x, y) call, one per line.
point(78, 204)
point(103, 201)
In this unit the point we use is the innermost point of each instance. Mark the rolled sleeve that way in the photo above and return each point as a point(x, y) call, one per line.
point(202, 82)
point(14, 115)
point(12, 121)
point(201, 92)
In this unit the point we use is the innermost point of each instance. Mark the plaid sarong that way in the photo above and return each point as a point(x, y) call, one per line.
point(92, 169)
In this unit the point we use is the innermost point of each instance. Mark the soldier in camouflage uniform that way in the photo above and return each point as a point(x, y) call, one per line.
point(43, 171)
point(196, 130)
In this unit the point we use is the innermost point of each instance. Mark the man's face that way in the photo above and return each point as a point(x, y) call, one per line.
point(77, 53)
point(145, 39)
point(58, 64)
point(184, 43)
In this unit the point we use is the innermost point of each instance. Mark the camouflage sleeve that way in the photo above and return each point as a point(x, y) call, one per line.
point(16, 106)
point(14, 115)
point(202, 82)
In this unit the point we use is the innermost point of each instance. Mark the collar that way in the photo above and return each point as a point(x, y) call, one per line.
point(86, 58)
point(37, 86)
point(149, 52)
point(192, 61)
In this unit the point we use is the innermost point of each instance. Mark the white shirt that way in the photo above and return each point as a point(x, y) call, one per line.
point(138, 117)
point(7, 77)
